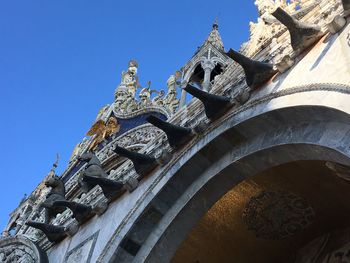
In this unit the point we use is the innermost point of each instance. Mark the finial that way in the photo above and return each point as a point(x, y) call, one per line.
point(54, 166)
point(216, 23)
point(133, 63)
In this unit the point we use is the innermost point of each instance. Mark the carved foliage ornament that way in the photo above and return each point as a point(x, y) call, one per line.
point(20, 250)
point(125, 94)
point(277, 215)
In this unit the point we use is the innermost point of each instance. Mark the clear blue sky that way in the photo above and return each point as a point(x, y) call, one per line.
point(60, 62)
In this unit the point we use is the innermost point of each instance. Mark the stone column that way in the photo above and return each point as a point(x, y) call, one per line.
point(208, 66)
point(182, 85)
point(183, 99)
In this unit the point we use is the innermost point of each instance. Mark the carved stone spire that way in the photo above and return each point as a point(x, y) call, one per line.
point(214, 37)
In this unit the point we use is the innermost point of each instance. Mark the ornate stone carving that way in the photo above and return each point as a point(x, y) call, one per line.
point(277, 215)
point(126, 102)
point(145, 98)
point(267, 27)
point(57, 193)
point(20, 250)
point(130, 78)
point(94, 175)
point(268, 6)
point(125, 92)
point(170, 100)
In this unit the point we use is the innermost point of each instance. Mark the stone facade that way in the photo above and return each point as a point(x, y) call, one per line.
point(301, 113)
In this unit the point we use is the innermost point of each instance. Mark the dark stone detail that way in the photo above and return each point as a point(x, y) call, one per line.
point(177, 135)
point(81, 212)
point(143, 164)
point(215, 105)
point(346, 5)
point(302, 35)
point(256, 72)
point(57, 193)
point(94, 175)
point(130, 246)
point(277, 215)
point(111, 189)
point(53, 233)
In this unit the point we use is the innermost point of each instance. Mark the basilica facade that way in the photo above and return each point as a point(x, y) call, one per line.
point(245, 157)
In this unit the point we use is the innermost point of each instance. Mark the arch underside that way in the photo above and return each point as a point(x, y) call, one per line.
point(283, 136)
point(271, 217)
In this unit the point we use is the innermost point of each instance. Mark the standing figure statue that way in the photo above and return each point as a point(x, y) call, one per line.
point(130, 78)
point(170, 99)
point(159, 98)
point(145, 96)
point(125, 92)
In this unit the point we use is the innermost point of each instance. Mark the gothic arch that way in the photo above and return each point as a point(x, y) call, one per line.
point(197, 62)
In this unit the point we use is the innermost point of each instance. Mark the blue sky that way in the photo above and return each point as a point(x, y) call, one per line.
point(60, 62)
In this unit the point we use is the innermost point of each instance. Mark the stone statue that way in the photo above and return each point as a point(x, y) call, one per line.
point(159, 98)
point(125, 92)
point(130, 79)
point(94, 175)
point(125, 101)
point(170, 99)
point(145, 96)
point(57, 193)
point(121, 96)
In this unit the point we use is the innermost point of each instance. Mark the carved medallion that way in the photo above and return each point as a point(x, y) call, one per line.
point(277, 215)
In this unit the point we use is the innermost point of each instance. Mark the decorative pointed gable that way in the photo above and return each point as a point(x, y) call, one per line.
point(214, 38)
